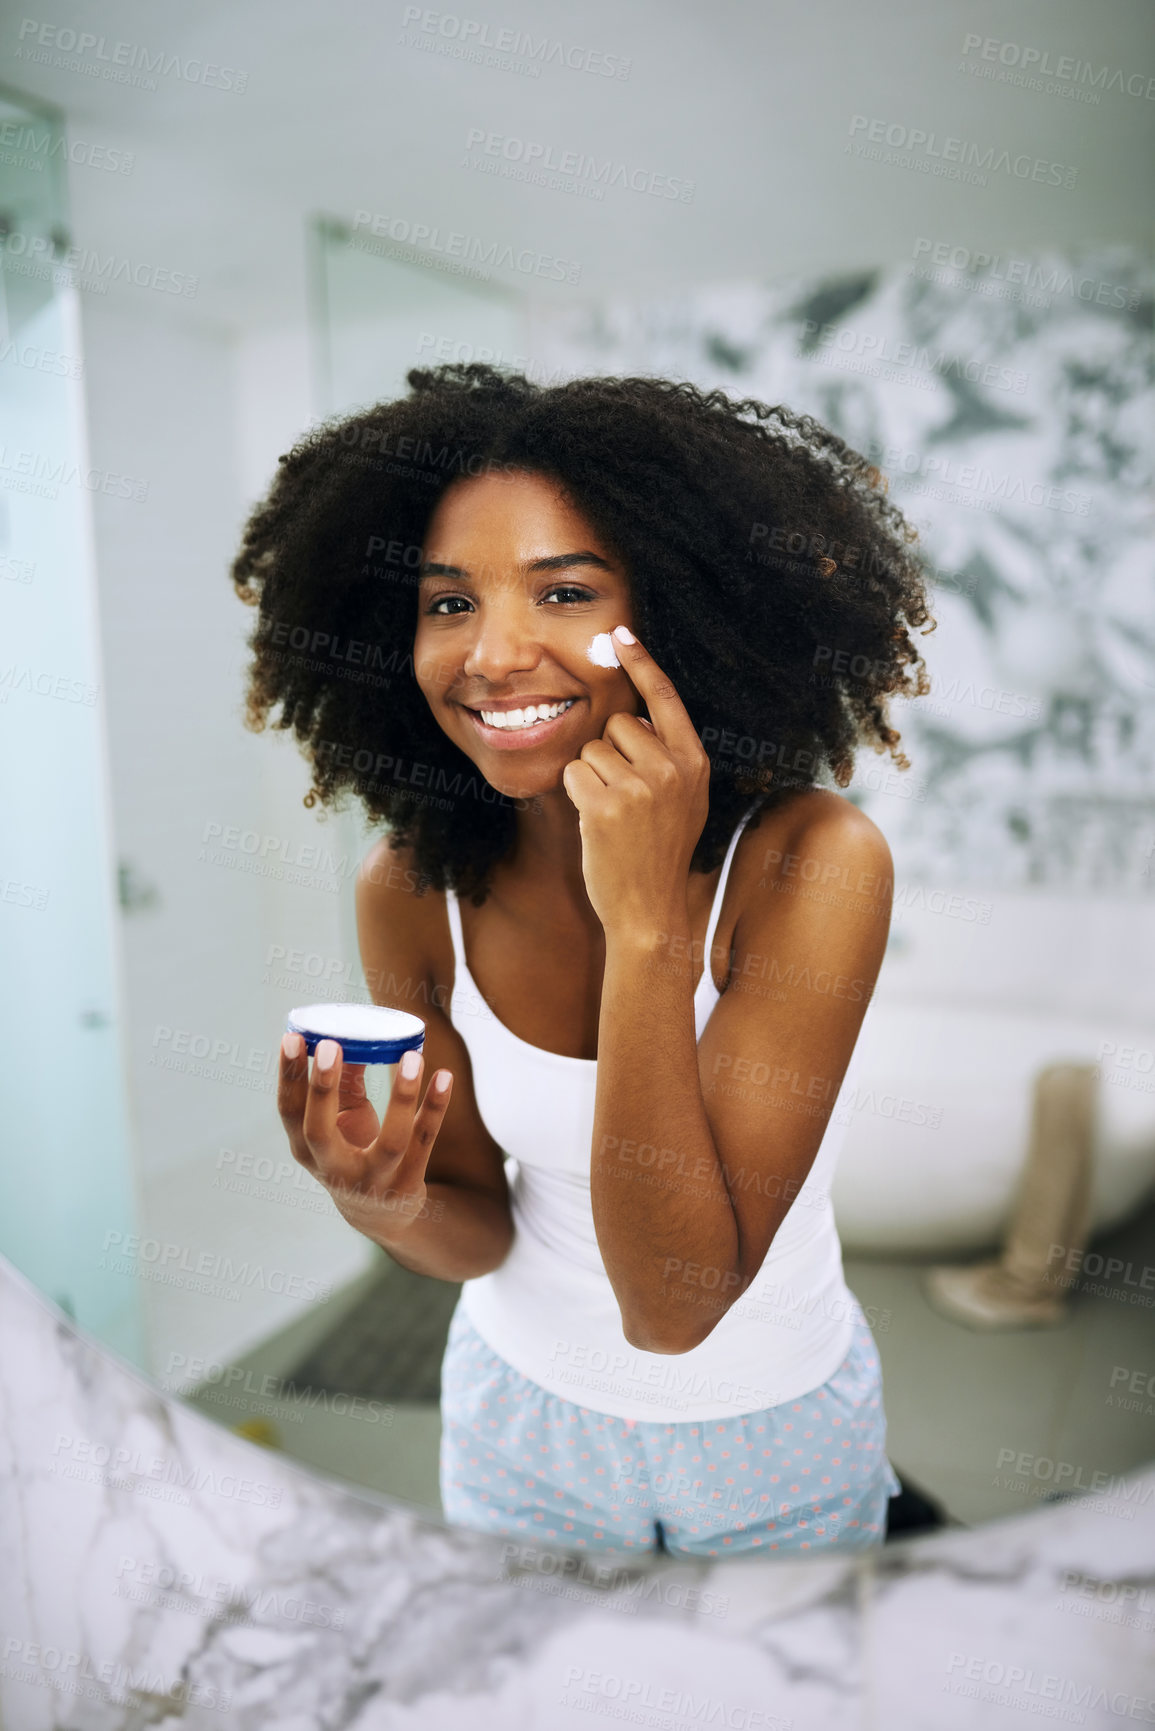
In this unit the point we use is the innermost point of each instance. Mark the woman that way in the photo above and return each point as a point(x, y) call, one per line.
point(641, 934)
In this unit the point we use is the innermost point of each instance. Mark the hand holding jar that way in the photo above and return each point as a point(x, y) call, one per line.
point(369, 1150)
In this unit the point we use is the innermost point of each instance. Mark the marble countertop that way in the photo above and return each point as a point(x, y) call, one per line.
point(161, 1571)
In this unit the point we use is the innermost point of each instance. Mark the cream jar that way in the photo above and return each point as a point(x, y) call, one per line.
point(368, 1034)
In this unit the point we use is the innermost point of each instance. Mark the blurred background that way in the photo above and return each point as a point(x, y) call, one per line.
point(928, 227)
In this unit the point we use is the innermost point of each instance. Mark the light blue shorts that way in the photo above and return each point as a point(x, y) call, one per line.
point(518, 1461)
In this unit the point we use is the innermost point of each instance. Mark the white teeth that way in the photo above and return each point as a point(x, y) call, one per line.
point(535, 712)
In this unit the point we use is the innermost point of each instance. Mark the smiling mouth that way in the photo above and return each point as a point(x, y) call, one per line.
point(523, 720)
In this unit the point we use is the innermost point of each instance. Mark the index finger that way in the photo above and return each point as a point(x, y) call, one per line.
point(668, 714)
point(292, 1093)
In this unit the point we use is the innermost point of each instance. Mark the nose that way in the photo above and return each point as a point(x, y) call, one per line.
point(503, 641)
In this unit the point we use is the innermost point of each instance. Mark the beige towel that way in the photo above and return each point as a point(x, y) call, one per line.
point(1024, 1288)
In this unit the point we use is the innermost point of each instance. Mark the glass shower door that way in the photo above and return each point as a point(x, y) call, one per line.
point(67, 1194)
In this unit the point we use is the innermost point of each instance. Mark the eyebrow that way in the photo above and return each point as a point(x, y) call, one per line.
point(557, 562)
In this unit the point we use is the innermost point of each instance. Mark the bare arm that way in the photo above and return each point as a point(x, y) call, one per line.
point(679, 1254)
point(470, 1228)
point(430, 1189)
point(739, 1116)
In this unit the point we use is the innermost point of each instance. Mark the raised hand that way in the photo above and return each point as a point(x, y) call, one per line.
point(643, 795)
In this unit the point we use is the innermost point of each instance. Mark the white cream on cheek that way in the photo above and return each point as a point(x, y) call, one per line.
point(601, 650)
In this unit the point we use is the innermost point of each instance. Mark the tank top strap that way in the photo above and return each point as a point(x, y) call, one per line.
point(720, 892)
point(460, 965)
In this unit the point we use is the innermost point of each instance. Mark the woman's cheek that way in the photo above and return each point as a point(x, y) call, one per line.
point(432, 668)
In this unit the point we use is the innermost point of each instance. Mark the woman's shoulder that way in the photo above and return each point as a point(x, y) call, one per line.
point(400, 916)
point(819, 810)
point(817, 833)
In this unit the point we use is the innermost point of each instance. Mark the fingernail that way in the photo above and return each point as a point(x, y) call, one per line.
point(442, 1080)
point(410, 1064)
point(326, 1054)
point(291, 1045)
point(624, 634)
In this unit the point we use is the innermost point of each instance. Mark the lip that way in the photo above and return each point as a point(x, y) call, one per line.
point(521, 739)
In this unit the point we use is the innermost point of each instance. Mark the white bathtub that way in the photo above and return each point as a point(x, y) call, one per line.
point(940, 1128)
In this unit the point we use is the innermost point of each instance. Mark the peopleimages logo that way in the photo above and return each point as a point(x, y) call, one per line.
point(995, 489)
point(122, 62)
point(476, 40)
point(37, 254)
point(1029, 275)
point(70, 1672)
point(31, 149)
point(918, 144)
point(876, 346)
point(575, 165)
point(33, 472)
point(1037, 63)
point(427, 239)
point(1042, 1692)
point(39, 360)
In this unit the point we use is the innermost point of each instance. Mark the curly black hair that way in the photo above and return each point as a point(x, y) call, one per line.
point(772, 579)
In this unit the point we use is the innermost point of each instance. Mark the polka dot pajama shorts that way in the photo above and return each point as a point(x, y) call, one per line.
point(804, 1475)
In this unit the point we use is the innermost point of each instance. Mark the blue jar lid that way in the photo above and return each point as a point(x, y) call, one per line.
point(366, 1033)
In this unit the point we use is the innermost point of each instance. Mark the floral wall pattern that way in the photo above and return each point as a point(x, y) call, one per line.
point(1011, 404)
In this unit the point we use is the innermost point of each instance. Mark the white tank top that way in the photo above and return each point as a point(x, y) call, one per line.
point(550, 1311)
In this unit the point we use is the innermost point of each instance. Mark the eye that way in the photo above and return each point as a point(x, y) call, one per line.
point(574, 592)
point(435, 606)
point(573, 589)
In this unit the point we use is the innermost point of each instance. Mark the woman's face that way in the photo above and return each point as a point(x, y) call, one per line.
point(514, 584)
